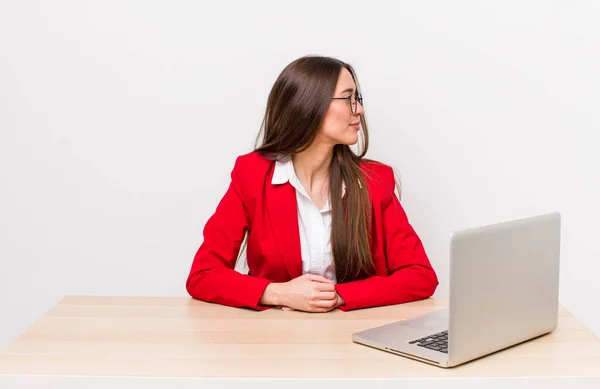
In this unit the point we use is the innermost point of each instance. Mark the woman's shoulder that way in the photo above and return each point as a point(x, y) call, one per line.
point(378, 174)
point(252, 160)
point(374, 166)
point(250, 165)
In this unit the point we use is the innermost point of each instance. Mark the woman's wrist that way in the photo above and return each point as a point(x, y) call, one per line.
point(340, 301)
point(271, 295)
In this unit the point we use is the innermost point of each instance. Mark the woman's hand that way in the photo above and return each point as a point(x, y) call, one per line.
point(309, 293)
point(339, 301)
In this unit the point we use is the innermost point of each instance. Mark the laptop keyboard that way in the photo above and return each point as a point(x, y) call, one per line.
point(436, 342)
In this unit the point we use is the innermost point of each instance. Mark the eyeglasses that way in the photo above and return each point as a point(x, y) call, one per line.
point(353, 104)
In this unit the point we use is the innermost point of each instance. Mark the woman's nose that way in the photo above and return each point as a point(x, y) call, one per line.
point(359, 109)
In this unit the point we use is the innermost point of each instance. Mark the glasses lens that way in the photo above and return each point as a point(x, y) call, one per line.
point(354, 104)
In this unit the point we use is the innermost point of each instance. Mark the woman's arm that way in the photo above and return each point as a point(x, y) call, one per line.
point(212, 277)
point(411, 275)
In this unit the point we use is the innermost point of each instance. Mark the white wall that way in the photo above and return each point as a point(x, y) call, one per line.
point(120, 122)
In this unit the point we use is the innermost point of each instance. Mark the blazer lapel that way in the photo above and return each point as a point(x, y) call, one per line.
point(283, 213)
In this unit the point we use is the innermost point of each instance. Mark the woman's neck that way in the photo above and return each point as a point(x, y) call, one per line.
point(312, 165)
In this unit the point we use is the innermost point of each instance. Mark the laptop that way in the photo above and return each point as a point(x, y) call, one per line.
point(503, 291)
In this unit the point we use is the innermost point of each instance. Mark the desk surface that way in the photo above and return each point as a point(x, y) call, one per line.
point(181, 337)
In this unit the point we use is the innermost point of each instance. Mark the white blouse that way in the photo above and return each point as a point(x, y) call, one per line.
point(314, 225)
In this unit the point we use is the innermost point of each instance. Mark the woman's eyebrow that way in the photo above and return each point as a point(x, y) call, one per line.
point(347, 90)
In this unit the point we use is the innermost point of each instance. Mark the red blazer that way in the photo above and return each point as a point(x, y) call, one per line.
point(269, 212)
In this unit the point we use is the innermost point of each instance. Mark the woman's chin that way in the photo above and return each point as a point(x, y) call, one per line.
point(352, 141)
point(348, 140)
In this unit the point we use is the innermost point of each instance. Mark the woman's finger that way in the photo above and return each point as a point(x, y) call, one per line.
point(326, 296)
point(324, 303)
point(323, 287)
point(318, 278)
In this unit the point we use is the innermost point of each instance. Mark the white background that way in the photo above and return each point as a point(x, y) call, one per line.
point(120, 122)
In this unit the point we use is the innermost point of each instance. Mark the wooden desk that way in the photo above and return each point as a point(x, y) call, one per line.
point(87, 341)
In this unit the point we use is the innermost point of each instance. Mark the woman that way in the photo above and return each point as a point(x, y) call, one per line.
point(324, 227)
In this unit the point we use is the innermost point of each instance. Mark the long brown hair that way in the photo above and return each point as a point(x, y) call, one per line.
point(296, 107)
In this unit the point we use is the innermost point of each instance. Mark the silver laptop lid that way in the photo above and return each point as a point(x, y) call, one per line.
point(504, 287)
